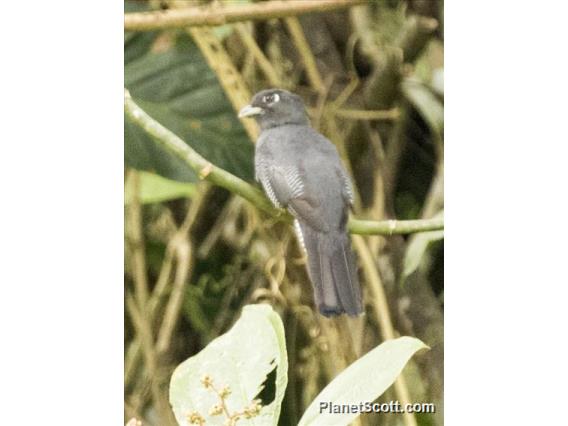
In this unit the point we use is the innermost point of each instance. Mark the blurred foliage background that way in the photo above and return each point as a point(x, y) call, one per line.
point(372, 78)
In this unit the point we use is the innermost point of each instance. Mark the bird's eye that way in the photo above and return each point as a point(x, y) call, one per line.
point(270, 99)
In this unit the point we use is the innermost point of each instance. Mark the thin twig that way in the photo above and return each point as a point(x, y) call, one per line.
point(136, 240)
point(220, 177)
point(375, 286)
point(216, 230)
point(182, 243)
point(258, 55)
point(220, 15)
point(345, 93)
point(306, 54)
point(358, 114)
point(173, 308)
point(144, 332)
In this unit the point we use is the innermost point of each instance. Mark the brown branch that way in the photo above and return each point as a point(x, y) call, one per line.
point(220, 15)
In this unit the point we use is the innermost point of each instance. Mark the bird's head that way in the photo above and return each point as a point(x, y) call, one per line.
point(276, 107)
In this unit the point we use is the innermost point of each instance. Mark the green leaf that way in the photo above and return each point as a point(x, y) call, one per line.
point(417, 246)
point(364, 380)
point(241, 359)
point(177, 88)
point(156, 189)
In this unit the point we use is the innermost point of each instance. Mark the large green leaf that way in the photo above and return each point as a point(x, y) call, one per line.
point(241, 359)
point(364, 380)
point(177, 88)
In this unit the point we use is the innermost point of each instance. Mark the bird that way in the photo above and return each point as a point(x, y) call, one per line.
point(300, 170)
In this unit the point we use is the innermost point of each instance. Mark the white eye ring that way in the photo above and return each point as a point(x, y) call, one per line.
point(271, 99)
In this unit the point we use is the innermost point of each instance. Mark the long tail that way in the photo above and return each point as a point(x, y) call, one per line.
point(333, 272)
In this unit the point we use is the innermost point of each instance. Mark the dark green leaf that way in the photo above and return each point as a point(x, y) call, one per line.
point(178, 89)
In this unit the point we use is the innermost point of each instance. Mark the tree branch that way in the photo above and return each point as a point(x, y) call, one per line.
point(215, 15)
point(220, 177)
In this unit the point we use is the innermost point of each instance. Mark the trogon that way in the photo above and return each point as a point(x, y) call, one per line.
point(300, 170)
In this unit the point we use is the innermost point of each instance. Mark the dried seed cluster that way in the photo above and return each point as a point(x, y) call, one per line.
point(250, 411)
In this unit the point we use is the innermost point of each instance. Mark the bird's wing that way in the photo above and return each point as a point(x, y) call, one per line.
point(285, 186)
point(346, 189)
point(264, 172)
